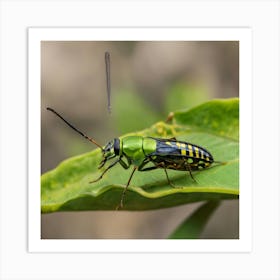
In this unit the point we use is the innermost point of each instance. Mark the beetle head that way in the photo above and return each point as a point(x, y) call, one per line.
point(110, 150)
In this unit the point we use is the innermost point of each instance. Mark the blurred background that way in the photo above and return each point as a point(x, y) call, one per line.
point(148, 80)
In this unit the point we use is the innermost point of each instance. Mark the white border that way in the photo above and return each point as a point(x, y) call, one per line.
point(263, 260)
point(243, 35)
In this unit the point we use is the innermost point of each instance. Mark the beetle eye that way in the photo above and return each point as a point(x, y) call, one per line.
point(117, 146)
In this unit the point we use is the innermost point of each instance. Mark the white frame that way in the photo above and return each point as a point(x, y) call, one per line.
point(262, 262)
point(243, 35)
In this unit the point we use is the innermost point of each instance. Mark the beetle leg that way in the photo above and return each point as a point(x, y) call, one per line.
point(110, 166)
point(124, 164)
point(169, 182)
point(162, 165)
point(189, 169)
point(148, 168)
point(145, 162)
point(124, 191)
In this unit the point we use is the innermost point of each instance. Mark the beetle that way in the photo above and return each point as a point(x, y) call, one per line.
point(146, 153)
point(140, 151)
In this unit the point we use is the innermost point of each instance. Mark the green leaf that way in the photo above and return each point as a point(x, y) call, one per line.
point(220, 117)
point(193, 225)
point(213, 125)
point(184, 96)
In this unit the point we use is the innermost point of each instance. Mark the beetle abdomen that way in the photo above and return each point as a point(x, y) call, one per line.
point(173, 154)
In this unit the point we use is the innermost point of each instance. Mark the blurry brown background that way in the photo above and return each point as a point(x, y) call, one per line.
point(148, 80)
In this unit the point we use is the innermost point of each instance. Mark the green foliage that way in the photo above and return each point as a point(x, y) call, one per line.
point(191, 227)
point(184, 96)
point(213, 125)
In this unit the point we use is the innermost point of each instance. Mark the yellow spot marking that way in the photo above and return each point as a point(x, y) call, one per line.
point(190, 150)
point(183, 148)
point(196, 152)
point(168, 143)
point(207, 158)
point(178, 145)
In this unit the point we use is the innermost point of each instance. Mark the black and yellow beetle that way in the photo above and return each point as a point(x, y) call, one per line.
point(147, 153)
point(139, 151)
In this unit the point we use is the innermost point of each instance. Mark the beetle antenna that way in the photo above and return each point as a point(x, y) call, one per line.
point(108, 80)
point(74, 128)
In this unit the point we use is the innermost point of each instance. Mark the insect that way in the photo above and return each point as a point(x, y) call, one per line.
point(147, 153)
point(140, 151)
